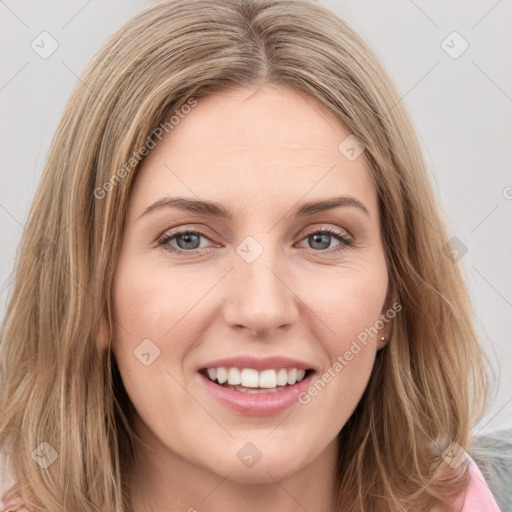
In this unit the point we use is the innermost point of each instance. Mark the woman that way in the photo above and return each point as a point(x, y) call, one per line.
point(234, 287)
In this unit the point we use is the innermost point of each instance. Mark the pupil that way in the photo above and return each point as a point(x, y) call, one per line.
point(319, 237)
point(187, 238)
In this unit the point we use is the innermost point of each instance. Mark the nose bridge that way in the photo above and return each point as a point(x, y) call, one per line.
point(262, 299)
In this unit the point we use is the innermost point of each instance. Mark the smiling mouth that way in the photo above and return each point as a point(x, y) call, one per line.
point(249, 380)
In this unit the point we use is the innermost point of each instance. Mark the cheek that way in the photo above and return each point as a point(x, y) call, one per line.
point(147, 311)
point(351, 307)
point(350, 312)
point(141, 314)
point(347, 324)
point(148, 302)
point(155, 304)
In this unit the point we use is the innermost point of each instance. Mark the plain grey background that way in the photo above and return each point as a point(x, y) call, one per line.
point(460, 100)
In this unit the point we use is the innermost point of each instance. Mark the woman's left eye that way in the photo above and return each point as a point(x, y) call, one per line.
point(188, 240)
point(321, 237)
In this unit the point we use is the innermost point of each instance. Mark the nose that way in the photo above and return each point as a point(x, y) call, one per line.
point(260, 297)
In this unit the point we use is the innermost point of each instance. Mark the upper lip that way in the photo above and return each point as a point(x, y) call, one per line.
point(259, 364)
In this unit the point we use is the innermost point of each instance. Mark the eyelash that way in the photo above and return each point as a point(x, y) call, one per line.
point(167, 237)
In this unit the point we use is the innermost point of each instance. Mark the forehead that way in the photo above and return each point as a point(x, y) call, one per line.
point(270, 145)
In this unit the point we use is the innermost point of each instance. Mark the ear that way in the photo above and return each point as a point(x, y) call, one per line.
point(387, 315)
point(102, 333)
point(385, 333)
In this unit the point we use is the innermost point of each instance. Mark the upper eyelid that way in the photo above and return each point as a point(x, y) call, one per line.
point(328, 228)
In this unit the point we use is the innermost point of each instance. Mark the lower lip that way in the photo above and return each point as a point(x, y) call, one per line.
point(260, 404)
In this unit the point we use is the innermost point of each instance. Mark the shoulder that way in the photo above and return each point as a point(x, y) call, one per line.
point(478, 496)
point(492, 454)
point(5, 484)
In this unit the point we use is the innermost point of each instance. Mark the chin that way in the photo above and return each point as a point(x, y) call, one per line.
point(247, 465)
point(262, 472)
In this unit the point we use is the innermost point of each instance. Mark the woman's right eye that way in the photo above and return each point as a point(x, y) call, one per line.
point(186, 240)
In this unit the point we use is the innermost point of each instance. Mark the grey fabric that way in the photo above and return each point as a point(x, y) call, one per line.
point(492, 454)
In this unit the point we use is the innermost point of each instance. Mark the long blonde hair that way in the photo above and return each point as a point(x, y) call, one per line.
point(62, 395)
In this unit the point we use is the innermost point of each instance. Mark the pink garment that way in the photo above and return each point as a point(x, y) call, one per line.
point(478, 497)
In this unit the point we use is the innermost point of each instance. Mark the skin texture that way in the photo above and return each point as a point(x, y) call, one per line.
point(259, 153)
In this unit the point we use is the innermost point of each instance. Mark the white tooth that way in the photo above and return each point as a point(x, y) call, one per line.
point(292, 376)
point(300, 374)
point(234, 376)
point(249, 378)
point(212, 373)
point(268, 379)
point(222, 375)
point(259, 391)
point(282, 377)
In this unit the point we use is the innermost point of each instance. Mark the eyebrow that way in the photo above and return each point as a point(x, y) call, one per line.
point(213, 209)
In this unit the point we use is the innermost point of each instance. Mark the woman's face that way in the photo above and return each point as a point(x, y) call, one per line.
point(264, 290)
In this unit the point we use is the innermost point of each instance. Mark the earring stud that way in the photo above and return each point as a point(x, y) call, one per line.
point(382, 339)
